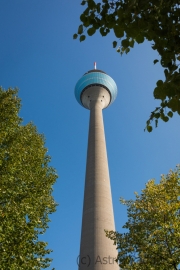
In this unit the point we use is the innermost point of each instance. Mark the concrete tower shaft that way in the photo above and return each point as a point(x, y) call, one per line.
point(97, 252)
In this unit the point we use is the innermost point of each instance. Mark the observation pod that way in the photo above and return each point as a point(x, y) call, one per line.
point(88, 88)
point(96, 91)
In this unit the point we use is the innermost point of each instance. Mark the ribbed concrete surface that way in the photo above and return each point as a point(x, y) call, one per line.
point(97, 252)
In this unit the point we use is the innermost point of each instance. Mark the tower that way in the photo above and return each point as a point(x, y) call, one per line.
point(96, 91)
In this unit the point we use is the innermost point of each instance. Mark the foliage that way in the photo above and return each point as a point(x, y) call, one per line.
point(152, 240)
point(26, 181)
point(136, 21)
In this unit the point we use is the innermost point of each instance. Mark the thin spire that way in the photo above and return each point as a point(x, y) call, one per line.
point(94, 65)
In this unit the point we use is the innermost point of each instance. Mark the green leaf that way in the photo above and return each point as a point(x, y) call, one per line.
point(96, 26)
point(114, 44)
point(170, 114)
point(156, 123)
point(118, 31)
point(75, 36)
point(149, 128)
point(131, 43)
point(127, 50)
point(83, 3)
point(83, 17)
point(165, 118)
point(159, 93)
point(159, 83)
point(157, 115)
point(86, 22)
point(125, 43)
point(80, 29)
point(82, 38)
point(140, 39)
point(103, 31)
point(155, 61)
point(91, 4)
point(98, 7)
point(91, 31)
point(173, 104)
point(166, 73)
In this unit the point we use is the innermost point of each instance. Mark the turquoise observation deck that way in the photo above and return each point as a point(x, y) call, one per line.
point(94, 78)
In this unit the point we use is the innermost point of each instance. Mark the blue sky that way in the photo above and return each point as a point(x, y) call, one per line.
point(39, 56)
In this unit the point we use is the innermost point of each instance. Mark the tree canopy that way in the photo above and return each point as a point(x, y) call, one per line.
point(26, 181)
point(152, 237)
point(134, 21)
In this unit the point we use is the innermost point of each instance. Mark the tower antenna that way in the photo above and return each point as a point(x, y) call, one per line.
point(94, 65)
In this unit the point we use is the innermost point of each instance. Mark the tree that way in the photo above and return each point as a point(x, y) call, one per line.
point(152, 240)
point(136, 21)
point(26, 181)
